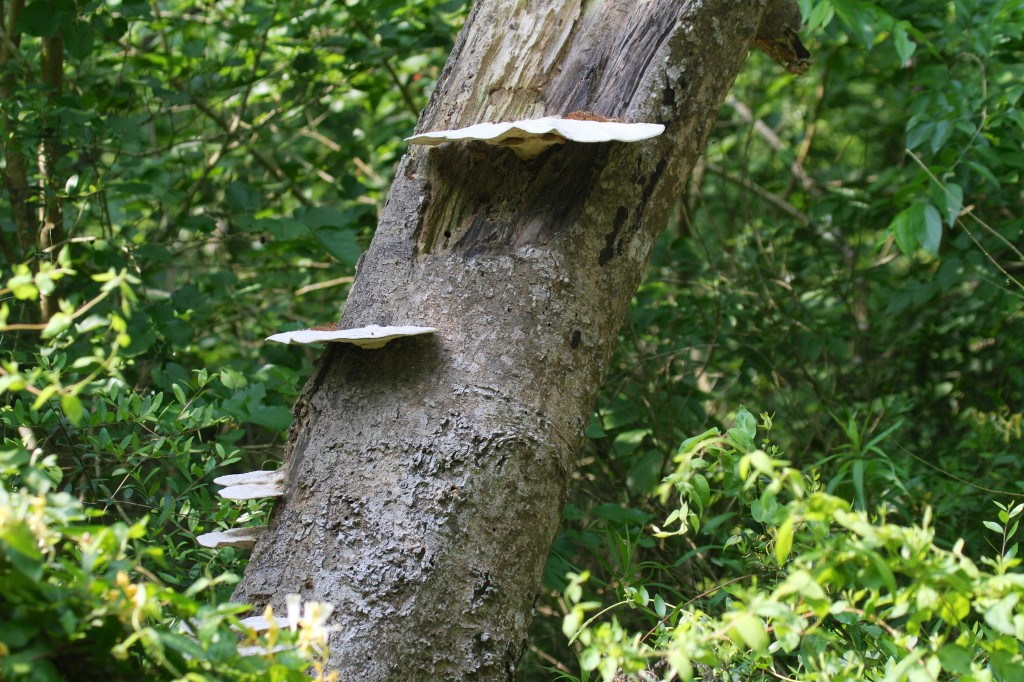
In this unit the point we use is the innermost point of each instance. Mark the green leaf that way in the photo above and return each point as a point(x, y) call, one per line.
point(1008, 665)
point(918, 226)
point(952, 202)
point(659, 606)
point(784, 541)
point(23, 287)
point(78, 39)
point(334, 229)
point(340, 242)
point(242, 197)
point(680, 663)
point(750, 630)
point(58, 323)
point(955, 659)
point(646, 472)
point(232, 379)
point(1000, 615)
point(884, 571)
point(275, 417)
point(691, 444)
point(941, 134)
point(72, 407)
point(19, 544)
point(903, 229)
point(905, 47)
point(43, 18)
point(821, 16)
point(572, 621)
point(283, 229)
point(861, 18)
point(745, 430)
point(701, 490)
point(628, 441)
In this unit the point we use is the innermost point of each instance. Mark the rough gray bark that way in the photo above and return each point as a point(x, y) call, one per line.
point(425, 480)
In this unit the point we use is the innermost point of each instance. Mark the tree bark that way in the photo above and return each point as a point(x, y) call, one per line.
point(15, 176)
point(425, 480)
point(51, 213)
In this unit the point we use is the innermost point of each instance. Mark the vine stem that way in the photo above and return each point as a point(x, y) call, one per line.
point(970, 212)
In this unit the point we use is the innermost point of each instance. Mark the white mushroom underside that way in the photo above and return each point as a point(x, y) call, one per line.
point(252, 491)
point(261, 624)
point(261, 650)
point(528, 138)
point(234, 537)
point(372, 336)
point(251, 478)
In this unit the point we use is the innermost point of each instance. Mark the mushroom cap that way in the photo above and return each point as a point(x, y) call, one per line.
point(371, 336)
point(251, 477)
point(529, 137)
point(261, 624)
point(243, 538)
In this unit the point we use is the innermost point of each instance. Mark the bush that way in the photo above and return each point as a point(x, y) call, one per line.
point(84, 596)
point(81, 602)
point(820, 591)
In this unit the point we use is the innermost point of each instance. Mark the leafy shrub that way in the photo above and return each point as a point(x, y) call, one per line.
point(84, 596)
point(821, 591)
point(80, 602)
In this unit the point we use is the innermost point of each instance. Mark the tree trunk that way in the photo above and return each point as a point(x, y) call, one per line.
point(425, 479)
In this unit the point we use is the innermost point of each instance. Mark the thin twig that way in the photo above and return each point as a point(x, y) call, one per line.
point(264, 161)
point(549, 658)
point(770, 136)
point(28, 387)
point(969, 211)
point(323, 285)
point(774, 199)
point(957, 478)
point(74, 316)
point(706, 593)
point(386, 63)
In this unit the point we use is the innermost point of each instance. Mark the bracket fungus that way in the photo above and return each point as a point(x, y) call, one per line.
point(251, 485)
point(528, 138)
point(262, 624)
point(243, 538)
point(372, 336)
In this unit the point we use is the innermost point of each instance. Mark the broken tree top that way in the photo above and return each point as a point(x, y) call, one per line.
point(366, 337)
point(530, 137)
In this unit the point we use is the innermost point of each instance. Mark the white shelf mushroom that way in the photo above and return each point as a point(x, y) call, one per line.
point(251, 478)
point(251, 492)
point(262, 624)
point(243, 538)
point(372, 336)
point(529, 137)
point(253, 650)
point(251, 485)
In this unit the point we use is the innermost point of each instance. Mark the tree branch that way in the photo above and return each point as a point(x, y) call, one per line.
point(52, 228)
point(16, 177)
point(263, 160)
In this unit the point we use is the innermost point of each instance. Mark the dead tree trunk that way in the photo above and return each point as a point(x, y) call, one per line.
point(425, 479)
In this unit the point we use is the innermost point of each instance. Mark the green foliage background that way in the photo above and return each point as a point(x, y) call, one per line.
point(847, 259)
